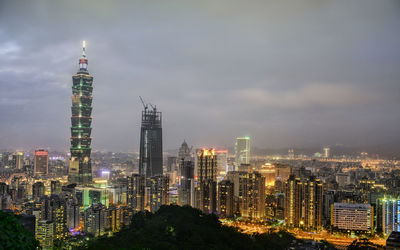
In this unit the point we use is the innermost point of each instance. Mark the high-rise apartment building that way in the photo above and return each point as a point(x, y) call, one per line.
point(159, 192)
point(293, 201)
point(151, 150)
point(313, 191)
point(80, 165)
point(136, 187)
point(390, 215)
point(95, 219)
point(242, 151)
point(252, 196)
point(207, 180)
point(225, 199)
point(45, 234)
point(41, 162)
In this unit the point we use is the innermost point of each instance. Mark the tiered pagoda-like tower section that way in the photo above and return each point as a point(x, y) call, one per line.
point(80, 168)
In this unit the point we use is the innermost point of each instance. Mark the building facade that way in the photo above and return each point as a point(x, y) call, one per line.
point(80, 165)
point(41, 162)
point(242, 151)
point(354, 217)
point(206, 180)
point(151, 150)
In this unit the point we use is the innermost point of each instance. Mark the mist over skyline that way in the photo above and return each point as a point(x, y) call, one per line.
point(287, 73)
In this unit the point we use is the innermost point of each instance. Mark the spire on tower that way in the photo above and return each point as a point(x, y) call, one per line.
point(83, 62)
point(84, 49)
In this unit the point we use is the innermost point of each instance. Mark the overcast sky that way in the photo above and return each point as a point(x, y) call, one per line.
point(285, 73)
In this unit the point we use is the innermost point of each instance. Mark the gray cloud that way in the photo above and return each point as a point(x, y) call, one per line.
point(287, 73)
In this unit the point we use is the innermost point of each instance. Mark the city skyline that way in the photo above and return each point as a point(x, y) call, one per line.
point(284, 80)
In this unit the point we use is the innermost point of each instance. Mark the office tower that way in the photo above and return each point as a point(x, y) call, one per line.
point(354, 217)
point(41, 162)
point(252, 197)
point(186, 182)
point(151, 151)
point(80, 165)
point(390, 215)
point(312, 191)
point(242, 151)
point(18, 160)
point(159, 192)
point(94, 220)
point(135, 199)
point(207, 180)
point(37, 190)
point(268, 170)
point(45, 234)
point(185, 152)
point(225, 199)
point(55, 187)
point(222, 155)
point(185, 175)
point(327, 152)
point(293, 201)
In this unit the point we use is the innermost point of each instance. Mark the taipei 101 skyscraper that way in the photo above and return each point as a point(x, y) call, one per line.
point(80, 165)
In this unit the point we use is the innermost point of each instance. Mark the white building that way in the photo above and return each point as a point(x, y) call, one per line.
point(356, 217)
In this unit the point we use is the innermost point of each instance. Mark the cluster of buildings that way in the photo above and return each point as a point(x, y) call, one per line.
point(350, 196)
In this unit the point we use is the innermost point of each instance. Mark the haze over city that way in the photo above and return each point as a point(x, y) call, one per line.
point(287, 73)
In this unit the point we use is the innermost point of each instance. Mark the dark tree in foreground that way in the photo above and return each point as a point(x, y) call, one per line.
point(364, 244)
point(175, 227)
point(13, 235)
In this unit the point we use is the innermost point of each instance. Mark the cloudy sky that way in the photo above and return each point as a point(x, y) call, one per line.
point(286, 73)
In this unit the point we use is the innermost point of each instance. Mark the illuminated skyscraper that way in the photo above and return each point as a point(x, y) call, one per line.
point(252, 198)
point(151, 151)
point(186, 175)
point(159, 192)
point(135, 199)
point(80, 166)
point(390, 215)
point(312, 190)
point(41, 162)
point(327, 152)
point(18, 160)
point(293, 201)
point(225, 199)
point(207, 180)
point(45, 233)
point(242, 150)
